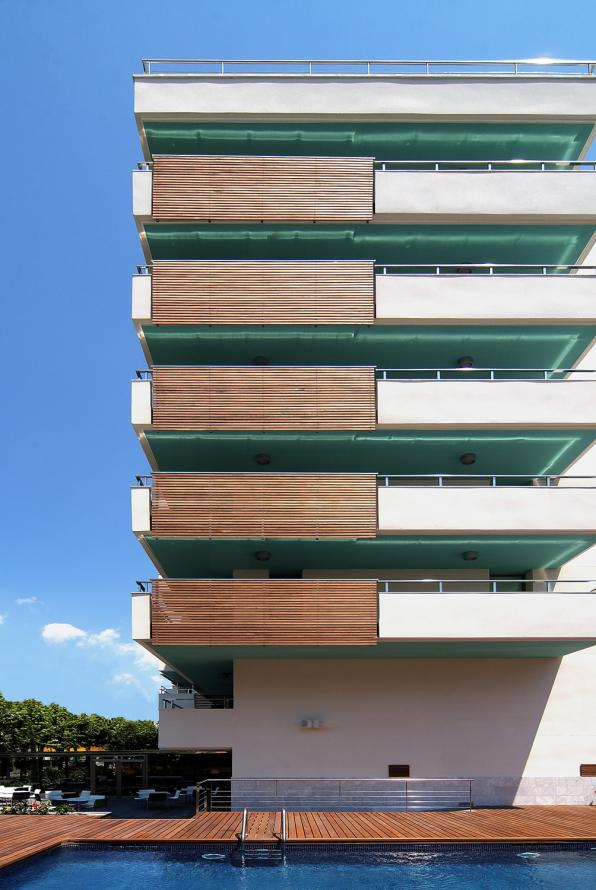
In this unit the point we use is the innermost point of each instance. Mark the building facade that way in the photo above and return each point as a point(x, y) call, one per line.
point(368, 314)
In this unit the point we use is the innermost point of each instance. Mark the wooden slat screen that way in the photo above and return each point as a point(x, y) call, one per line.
point(267, 505)
point(587, 769)
point(263, 398)
point(259, 292)
point(226, 187)
point(264, 612)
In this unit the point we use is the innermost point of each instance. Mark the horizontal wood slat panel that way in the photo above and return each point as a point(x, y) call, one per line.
point(254, 292)
point(264, 612)
point(263, 398)
point(264, 505)
point(211, 187)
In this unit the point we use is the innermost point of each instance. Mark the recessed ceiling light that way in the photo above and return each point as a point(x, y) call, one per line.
point(262, 555)
point(467, 459)
point(465, 361)
point(469, 555)
point(263, 459)
point(260, 360)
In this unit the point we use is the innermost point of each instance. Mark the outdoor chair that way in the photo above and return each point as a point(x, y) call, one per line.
point(157, 797)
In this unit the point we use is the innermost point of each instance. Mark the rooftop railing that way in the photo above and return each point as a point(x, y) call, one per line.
point(540, 67)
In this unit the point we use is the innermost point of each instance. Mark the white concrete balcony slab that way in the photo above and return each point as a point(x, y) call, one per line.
point(365, 89)
point(484, 294)
point(443, 192)
point(411, 617)
point(445, 505)
point(412, 402)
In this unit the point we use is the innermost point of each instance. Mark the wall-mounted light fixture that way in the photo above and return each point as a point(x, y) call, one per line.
point(311, 723)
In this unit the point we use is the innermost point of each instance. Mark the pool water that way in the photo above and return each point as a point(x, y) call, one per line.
point(133, 869)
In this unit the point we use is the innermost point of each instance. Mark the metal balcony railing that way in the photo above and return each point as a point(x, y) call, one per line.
point(443, 269)
point(555, 375)
point(406, 374)
point(456, 269)
point(521, 165)
point(444, 480)
point(375, 67)
point(490, 585)
point(323, 795)
point(182, 698)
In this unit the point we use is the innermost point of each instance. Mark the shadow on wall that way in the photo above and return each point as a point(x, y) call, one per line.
point(446, 718)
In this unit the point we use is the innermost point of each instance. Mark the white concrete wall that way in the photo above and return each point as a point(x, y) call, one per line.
point(500, 196)
point(141, 298)
point(364, 98)
point(489, 616)
point(481, 509)
point(141, 616)
point(140, 501)
point(141, 413)
point(448, 404)
point(498, 719)
point(142, 193)
point(504, 299)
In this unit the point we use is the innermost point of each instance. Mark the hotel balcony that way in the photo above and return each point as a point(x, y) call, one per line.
point(225, 188)
point(212, 524)
point(359, 292)
point(306, 617)
point(331, 90)
point(189, 399)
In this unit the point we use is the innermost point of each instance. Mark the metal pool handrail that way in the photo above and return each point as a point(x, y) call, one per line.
point(416, 67)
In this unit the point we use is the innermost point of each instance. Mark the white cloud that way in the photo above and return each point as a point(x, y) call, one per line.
point(108, 641)
point(61, 633)
point(27, 600)
point(3, 617)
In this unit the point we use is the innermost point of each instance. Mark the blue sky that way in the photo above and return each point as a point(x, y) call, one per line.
point(68, 248)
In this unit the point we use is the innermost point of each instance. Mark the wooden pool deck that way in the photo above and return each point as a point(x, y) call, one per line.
point(23, 836)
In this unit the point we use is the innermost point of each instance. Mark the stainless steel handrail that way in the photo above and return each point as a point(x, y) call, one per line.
point(547, 585)
point(144, 480)
point(416, 67)
point(242, 836)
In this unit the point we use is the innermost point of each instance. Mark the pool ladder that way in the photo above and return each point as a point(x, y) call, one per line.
point(255, 855)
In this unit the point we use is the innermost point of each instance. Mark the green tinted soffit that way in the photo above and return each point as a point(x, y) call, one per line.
point(385, 140)
point(386, 346)
point(501, 554)
point(530, 452)
point(212, 667)
point(383, 243)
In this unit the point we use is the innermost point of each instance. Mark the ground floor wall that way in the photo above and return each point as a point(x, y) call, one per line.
point(520, 727)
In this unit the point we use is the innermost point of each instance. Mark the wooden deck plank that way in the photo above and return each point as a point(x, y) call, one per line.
point(24, 836)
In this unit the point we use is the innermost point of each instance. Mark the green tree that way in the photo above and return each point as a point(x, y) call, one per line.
point(30, 725)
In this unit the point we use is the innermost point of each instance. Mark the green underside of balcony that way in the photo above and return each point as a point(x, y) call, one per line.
point(523, 452)
point(412, 244)
point(500, 554)
point(383, 140)
point(211, 668)
point(389, 346)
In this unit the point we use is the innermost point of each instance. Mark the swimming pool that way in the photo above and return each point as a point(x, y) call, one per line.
point(184, 868)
